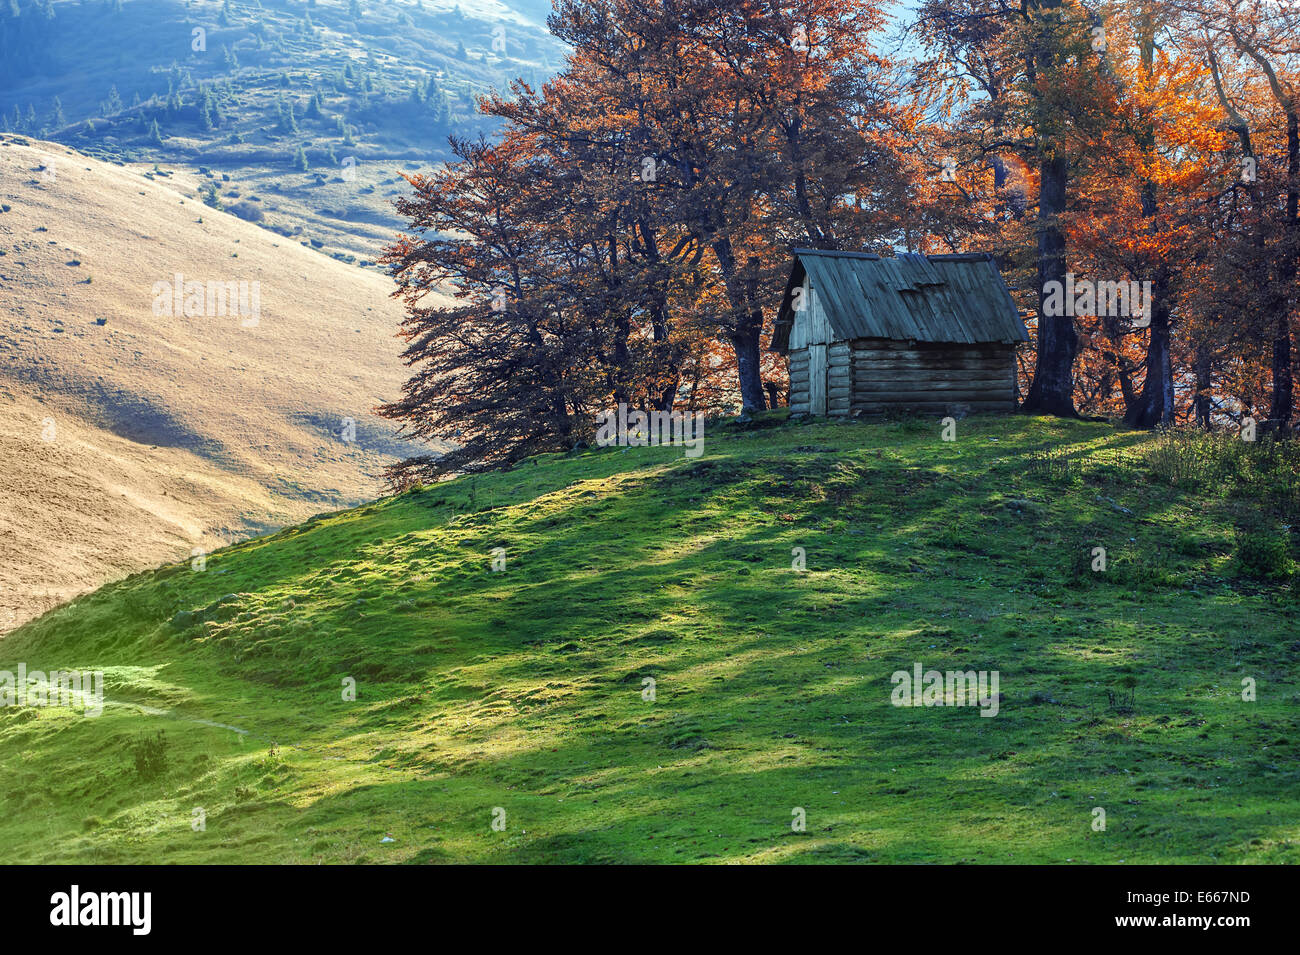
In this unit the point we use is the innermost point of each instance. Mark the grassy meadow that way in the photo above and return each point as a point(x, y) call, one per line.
point(520, 695)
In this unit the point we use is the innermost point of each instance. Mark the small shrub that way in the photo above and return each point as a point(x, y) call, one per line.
point(248, 211)
point(271, 762)
point(1145, 571)
point(150, 754)
point(1262, 553)
point(1123, 695)
point(1050, 465)
point(1265, 472)
point(1195, 459)
point(1079, 571)
point(210, 196)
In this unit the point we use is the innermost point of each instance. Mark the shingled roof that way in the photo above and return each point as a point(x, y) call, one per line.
point(924, 298)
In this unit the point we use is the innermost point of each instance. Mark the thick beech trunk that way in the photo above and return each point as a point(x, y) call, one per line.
point(1052, 389)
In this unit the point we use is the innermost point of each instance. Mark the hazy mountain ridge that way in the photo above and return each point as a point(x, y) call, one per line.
point(281, 96)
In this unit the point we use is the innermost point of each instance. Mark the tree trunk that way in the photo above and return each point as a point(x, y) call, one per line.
point(1115, 354)
point(1202, 401)
point(745, 338)
point(1279, 413)
point(668, 398)
point(1155, 406)
point(1011, 202)
point(745, 341)
point(1052, 389)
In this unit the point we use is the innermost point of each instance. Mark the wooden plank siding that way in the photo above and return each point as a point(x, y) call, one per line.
point(812, 327)
point(817, 379)
point(898, 376)
point(875, 376)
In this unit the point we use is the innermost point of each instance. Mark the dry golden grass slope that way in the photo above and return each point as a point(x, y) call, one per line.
point(129, 438)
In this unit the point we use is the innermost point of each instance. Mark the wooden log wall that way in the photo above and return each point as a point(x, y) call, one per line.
point(798, 381)
point(932, 378)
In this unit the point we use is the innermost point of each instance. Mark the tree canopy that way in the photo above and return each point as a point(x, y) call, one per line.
point(625, 236)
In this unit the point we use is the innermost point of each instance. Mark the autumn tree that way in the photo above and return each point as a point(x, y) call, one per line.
point(1034, 90)
point(1138, 214)
point(637, 212)
point(508, 359)
point(1253, 53)
point(767, 126)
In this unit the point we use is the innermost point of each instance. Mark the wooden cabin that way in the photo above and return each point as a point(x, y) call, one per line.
point(913, 333)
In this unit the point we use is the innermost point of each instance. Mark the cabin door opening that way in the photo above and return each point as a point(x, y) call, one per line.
point(817, 379)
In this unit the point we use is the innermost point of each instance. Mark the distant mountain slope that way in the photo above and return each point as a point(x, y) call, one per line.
point(130, 435)
point(281, 96)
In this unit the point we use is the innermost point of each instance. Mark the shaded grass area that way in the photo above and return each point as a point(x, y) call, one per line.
point(525, 690)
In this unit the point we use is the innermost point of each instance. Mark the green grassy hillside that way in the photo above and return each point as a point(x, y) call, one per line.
point(524, 690)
